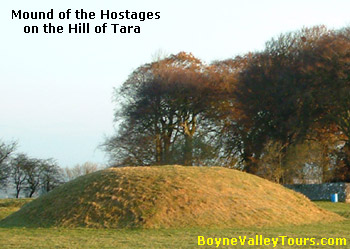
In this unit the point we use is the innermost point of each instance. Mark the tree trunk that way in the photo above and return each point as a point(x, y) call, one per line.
point(166, 153)
point(158, 150)
point(325, 164)
point(189, 128)
point(188, 152)
point(17, 192)
point(346, 173)
point(251, 165)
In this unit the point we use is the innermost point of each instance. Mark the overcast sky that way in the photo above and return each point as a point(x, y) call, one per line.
point(56, 89)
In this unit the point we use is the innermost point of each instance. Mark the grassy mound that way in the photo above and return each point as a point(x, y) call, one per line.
point(169, 196)
point(9, 206)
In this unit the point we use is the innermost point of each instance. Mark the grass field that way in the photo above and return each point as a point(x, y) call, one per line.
point(165, 238)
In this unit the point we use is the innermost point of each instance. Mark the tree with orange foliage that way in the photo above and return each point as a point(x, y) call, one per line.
point(275, 95)
point(299, 82)
point(162, 114)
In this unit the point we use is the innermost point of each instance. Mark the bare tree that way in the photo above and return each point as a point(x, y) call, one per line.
point(6, 150)
point(32, 170)
point(18, 175)
point(31, 174)
point(80, 170)
point(51, 175)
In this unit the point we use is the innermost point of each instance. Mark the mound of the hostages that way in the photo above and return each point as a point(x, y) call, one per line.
point(169, 196)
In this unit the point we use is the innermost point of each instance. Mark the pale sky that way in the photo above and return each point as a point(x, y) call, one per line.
point(56, 89)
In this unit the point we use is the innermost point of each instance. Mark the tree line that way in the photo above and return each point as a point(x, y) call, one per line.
point(28, 176)
point(282, 113)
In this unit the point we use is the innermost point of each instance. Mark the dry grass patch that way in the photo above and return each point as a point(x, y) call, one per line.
point(169, 196)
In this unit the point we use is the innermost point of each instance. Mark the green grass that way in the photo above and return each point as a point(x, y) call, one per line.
point(169, 238)
point(155, 238)
point(340, 208)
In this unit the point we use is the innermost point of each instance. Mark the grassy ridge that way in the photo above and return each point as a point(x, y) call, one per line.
point(9, 206)
point(169, 197)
